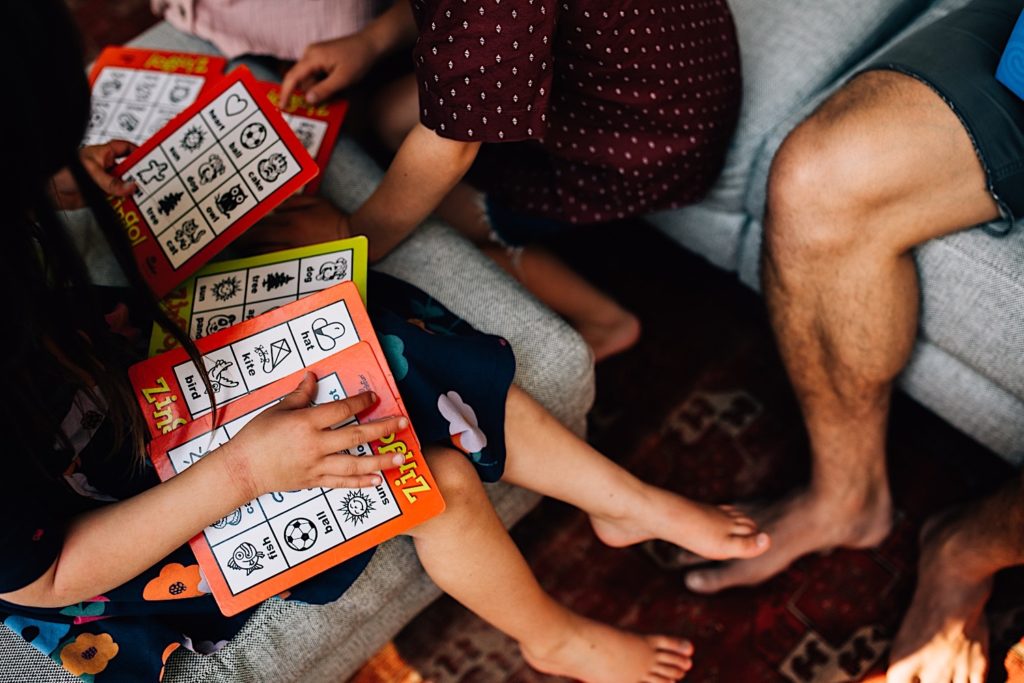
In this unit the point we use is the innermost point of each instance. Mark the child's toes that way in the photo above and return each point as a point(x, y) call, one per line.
point(669, 647)
point(748, 545)
point(668, 672)
point(744, 525)
point(674, 660)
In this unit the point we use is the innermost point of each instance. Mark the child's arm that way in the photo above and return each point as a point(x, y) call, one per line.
point(336, 64)
point(287, 447)
point(426, 167)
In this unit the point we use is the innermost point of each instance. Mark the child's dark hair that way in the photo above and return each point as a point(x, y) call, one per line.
point(50, 305)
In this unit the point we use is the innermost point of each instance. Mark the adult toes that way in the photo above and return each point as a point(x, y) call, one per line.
point(902, 672)
point(708, 581)
point(977, 664)
point(961, 667)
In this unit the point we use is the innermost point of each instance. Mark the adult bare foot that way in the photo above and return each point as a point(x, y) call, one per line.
point(596, 653)
point(713, 532)
point(944, 635)
point(799, 525)
point(613, 333)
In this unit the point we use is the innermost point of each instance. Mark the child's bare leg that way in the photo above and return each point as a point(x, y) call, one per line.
point(606, 327)
point(468, 553)
point(546, 457)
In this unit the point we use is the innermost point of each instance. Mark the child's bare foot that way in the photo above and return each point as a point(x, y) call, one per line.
point(713, 532)
point(596, 653)
point(616, 332)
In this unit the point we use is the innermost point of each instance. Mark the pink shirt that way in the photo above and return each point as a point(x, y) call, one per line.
point(281, 28)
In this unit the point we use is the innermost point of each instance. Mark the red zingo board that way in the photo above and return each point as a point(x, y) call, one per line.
point(316, 125)
point(206, 177)
point(136, 92)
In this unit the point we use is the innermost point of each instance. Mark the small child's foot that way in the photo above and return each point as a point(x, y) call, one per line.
point(620, 332)
point(596, 653)
point(713, 532)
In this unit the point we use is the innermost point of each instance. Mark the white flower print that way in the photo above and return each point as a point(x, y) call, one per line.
point(462, 423)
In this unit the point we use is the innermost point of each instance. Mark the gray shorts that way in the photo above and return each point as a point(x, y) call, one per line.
point(957, 56)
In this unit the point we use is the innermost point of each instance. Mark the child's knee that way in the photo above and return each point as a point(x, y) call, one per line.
point(454, 474)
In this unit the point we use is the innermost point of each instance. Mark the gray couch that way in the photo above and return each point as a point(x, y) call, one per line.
point(968, 365)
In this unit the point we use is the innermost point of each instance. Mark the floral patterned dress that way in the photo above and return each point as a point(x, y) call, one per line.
point(454, 381)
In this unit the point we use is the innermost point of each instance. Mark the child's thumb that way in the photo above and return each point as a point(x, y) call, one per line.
point(303, 394)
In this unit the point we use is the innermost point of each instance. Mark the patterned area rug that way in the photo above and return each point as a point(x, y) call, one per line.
point(702, 407)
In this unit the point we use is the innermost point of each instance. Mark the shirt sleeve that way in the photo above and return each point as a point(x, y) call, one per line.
point(484, 67)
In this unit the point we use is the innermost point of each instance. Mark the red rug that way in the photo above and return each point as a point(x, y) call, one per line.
point(702, 407)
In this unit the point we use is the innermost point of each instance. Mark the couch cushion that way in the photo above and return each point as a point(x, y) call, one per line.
point(973, 302)
point(791, 49)
point(760, 163)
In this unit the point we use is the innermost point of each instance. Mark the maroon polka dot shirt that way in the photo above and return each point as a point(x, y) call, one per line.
point(618, 107)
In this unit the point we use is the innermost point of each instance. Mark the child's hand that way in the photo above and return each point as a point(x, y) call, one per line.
point(292, 446)
point(97, 161)
point(331, 65)
point(298, 222)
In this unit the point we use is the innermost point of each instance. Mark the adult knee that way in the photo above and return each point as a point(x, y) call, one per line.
point(823, 190)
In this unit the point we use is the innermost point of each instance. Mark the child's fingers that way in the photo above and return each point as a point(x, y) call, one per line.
point(303, 394)
point(122, 188)
point(115, 149)
point(348, 437)
point(335, 80)
point(303, 69)
point(105, 181)
point(362, 482)
point(342, 465)
point(335, 412)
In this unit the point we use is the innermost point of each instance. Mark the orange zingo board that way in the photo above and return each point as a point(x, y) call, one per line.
point(206, 177)
point(251, 365)
point(271, 543)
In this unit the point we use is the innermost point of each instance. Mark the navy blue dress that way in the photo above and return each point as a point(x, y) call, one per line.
point(454, 381)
